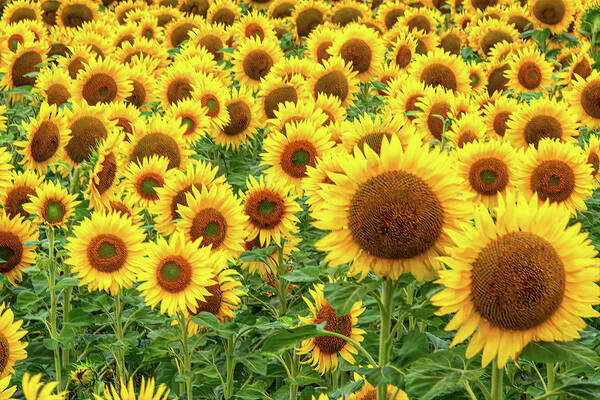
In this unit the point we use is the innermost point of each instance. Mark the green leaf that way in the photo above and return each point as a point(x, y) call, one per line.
point(581, 390)
point(211, 322)
point(255, 364)
point(415, 345)
point(287, 338)
point(26, 299)
point(343, 295)
point(79, 318)
point(67, 283)
point(305, 274)
point(544, 352)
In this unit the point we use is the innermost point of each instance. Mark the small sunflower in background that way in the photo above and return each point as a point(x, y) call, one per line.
point(441, 69)
point(148, 391)
point(177, 273)
point(497, 114)
point(51, 205)
point(13, 349)
point(324, 350)
point(468, 129)
point(106, 252)
point(368, 391)
point(254, 59)
point(513, 280)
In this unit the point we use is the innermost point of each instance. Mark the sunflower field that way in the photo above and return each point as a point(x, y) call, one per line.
point(300, 199)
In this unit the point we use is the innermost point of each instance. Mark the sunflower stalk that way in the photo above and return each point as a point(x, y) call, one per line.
point(118, 328)
point(386, 310)
point(186, 366)
point(231, 363)
point(497, 384)
point(549, 377)
point(53, 306)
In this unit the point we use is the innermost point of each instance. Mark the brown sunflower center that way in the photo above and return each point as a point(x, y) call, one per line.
point(15, 198)
point(146, 185)
point(297, 156)
point(582, 68)
point(530, 75)
point(4, 353)
point(542, 126)
point(518, 281)
point(53, 211)
point(240, 117)
point(77, 64)
point(358, 53)
point(419, 23)
point(500, 122)
point(108, 173)
point(283, 10)
point(434, 122)
point(57, 94)
point(212, 44)
point(594, 161)
point(11, 251)
point(464, 138)
point(180, 198)
point(265, 208)
point(553, 180)
point(257, 64)
point(189, 124)
point(210, 225)
point(212, 302)
point(174, 274)
point(346, 15)
point(308, 20)
point(120, 208)
point(395, 215)
point(254, 30)
point(75, 15)
point(590, 99)
point(411, 105)
point(181, 33)
point(196, 7)
point(550, 12)
point(392, 17)
point(157, 144)
point(107, 253)
point(439, 75)
point(85, 134)
point(333, 323)
point(333, 83)
point(179, 89)
point(21, 14)
point(44, 141)
point(452, 44)
point(322, 53)
point(497, 81)
point(488, 176)
point(138, 94)
point(224, 16)
point(277, 97)
point(403, 56)
point(519, 22)
point(373, 140)
point(23, 65)
point(492, 38)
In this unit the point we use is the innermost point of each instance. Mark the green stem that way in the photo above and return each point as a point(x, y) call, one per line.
point(118, 328)
point(470, 391)
point(295, 367)
point(386, 308)
point(550, 377)
point(187, 357)
point(497, 387)
point(66, 311)
point(231, 363)
point(53, 306)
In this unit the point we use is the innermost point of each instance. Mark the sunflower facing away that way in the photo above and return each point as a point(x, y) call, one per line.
point(391, 212)
point(325, 349)
point(514, 280)
point(148, 391)
point(106, 252)
point(177, 273)
point(15, 253)
point(52, 205)
point(13, 349)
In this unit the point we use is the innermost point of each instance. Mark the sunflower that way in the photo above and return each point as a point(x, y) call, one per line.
point(325, 349)
point(51, 205)
point(543, 118)
point(177, 273)
point(288, 67)
point(176, 84)
point(107, 170)
point(490, 32)
point(124, 115)
point(161, 136)
point(453, 41)
point(223, 12)
point(101, 81)
point(390, 12)
point(166, 14)
point(123, 9)
point(436, 105)
point(276, 92)
point(35, 389)
point(254, 24)
point(362, 48)
point(497, 114)
point(513, 280)
point(211, 96)
point(348, 11)
point(268, 271)
point(369, 132)
point(195, 7)
point(148, 28)
point(528, 71)
point(404, 102)
point(517, 16)
point(244, 117)
point(224, 297)
point(555, 15)
point(331, 106)
point(254, 59)
point(580, 65)
point(469, 128)
point(462, 105)
point(495, 77)
point(106, 252)
point(74, 13)
point(281, 9)
point(15, 35)
point(21, 10)
point(368, 391)
point(6, 392)
point(318, 176)
point(202, 62)
point(98, 42)
point(15, 252)
point(143, 82)
point(48, 134)
point(270, 208)
point(289, 154)
point(477, 76)
point(335, 78)
point(17, 194)
point(195, 119)
point(142, 48)
point(88, 125)
point(178, 30)
point(380, 230)
point(143, 178)
point(289, 112)
point(439, 69)
point(307, 15)
point(148, 391)
point(584, 97)
point(320, 39)
point(76, 60)
point(557, 172)
point(124, 34)
point(210, 37)
point(54, 85)
point(123, 204)
point(403, 50)
point(420, 19)
point(13, 349)
point(592, 151)
point(215, 217)
point(174, 192)
point(24, 61)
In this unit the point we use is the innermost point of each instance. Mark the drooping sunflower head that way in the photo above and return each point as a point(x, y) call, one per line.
point(281, 9)
point(513, 280)
point(370, 132)
point(52, 205)
point(290, 112)
point(254, 59)
point(124, 115)
point(557, 172)
point(495, 77)
point(143, 82)
point(324, 350)
point(336, 78)
point(178, 30)
point(12, 349)
point(579, 64)
point(517, 16)
point(288, 67)
point(440, 69)
point(404, 102)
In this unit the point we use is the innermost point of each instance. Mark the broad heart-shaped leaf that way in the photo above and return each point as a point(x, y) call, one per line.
point(255, 363)
point(581, 390)
point(213, 325)
point(287, 338)
point(415, 345)
point(343, 295)
point(26, 299)
point(544, 352)
point(305, 274)
point(442, 372)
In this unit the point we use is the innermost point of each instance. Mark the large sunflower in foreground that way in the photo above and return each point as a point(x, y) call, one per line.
point(177, 273)
point(513, 280)
point(52, 205)
point(35, 389)
point(15, 253)
point(557, 172)
point(584, 98)
point(106, 252)
point(215, 217)
point(13, 349)
point(488, 168)
point(289, 154)
point(325, 349)
point(543, 118)
point(270, 209)
point(391, 213)
point(148, 391)
point(528, 71)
